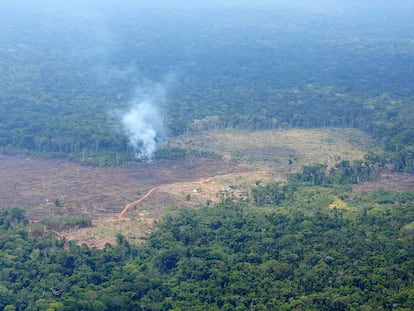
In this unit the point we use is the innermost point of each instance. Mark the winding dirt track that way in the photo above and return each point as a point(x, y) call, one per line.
point(200, 182)
point(129, 205)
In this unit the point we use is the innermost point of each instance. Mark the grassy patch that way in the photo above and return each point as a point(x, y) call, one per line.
point(283, 150)
point(340, 204)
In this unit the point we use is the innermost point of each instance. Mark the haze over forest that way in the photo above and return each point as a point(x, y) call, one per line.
point(92, 62)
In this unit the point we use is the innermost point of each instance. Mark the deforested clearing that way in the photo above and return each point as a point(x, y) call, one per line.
point(241, 160)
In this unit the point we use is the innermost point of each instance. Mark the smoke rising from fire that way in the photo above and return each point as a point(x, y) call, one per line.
point(143, 122)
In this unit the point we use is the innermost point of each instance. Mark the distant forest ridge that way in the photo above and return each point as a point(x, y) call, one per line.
point(68, 77)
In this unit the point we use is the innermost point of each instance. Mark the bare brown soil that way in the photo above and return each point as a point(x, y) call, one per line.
point(35, 183)
point(388, 181)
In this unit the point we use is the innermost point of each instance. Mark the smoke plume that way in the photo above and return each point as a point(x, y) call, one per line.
point(143, 123)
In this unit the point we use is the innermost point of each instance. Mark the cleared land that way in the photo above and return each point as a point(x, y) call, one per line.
point(36, 183)
point(130, 199)
point(388, 181)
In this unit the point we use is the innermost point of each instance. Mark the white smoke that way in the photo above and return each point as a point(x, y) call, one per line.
point(143, 123)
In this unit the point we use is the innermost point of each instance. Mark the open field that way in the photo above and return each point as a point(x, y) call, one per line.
point(130, 199)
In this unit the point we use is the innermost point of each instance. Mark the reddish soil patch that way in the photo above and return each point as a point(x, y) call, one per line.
point(388, 181)
point(34, 183)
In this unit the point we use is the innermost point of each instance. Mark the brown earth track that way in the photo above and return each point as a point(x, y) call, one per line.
point(129, 205)
point(200, 182)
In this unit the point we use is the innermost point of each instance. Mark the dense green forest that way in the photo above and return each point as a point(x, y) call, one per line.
point(253, 68)
point(293, 246)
